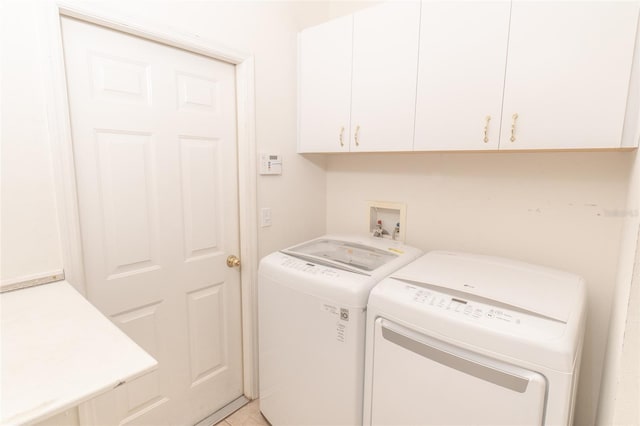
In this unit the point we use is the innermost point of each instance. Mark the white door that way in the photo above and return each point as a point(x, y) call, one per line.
point(463, 53)
point(325, 86)
point(385, 68)
point(568, 74)
point(155, 155)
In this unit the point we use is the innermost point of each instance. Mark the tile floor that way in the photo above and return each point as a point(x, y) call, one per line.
point(249, 415)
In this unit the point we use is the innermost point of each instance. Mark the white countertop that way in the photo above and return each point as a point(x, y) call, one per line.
point(57, 351)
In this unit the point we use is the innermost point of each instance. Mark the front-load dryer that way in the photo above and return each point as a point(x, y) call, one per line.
point(311, 302)
point(459, 339)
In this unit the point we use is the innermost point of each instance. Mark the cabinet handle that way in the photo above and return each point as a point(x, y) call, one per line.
point(356, 136)
point(514, 117)
point(486, 129)
point(341, 135)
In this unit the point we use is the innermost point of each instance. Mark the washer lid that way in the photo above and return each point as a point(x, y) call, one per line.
point(536, 289)
point(347, 255)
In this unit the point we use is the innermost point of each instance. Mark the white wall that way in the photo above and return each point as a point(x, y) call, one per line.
point(561, 210)
point(620, 392)
point(30, 240)
point(627, 401)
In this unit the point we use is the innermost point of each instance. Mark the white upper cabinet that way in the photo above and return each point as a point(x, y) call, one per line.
point(568, 74)
point(325, 87)
point(371, 108)
point(463, 53)
point(450, 75)
point(385, 66)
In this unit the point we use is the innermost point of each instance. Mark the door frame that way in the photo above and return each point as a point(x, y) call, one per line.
point(58, 120)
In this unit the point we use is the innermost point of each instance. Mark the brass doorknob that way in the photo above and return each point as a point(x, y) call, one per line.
point(233, 261)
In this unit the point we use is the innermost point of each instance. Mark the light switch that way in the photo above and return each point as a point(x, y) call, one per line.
point(265, 217)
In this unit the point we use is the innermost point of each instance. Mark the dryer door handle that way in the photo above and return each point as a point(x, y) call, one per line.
point(472, 363)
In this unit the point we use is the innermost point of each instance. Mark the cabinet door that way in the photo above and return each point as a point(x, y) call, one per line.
point(325, 86)
point(463, 52)
point(385, 64)
point(568, 71)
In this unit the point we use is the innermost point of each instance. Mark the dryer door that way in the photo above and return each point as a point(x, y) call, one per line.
point(421, 380)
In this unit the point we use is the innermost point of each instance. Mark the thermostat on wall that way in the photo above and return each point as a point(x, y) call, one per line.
point(270, 164)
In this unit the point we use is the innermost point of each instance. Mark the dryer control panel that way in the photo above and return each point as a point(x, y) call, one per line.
point(464, 307)
point(485, 313)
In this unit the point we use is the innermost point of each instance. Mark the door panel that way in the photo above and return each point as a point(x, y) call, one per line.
point(198, 93)
point(420, 380)
point(206, 332)
point(199, 161)
point(126, 182)
point(155, 154)
point(119, 79)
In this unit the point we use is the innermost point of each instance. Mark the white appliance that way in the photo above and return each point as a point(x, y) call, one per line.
point(312, 300)
point(457, 339)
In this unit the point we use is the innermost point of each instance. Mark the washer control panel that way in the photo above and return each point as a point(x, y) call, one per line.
point(308, 267)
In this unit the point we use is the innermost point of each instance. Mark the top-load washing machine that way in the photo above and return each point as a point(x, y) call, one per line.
point(460, 339)
point(312, 300)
